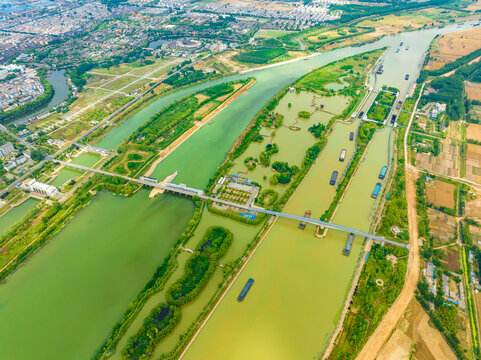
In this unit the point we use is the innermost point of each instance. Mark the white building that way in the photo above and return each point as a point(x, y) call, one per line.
point(12, 164)
point(35, 186)
point(6, 149)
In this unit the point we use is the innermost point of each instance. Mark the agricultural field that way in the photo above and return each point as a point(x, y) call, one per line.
point(473, 205)
point(450, 47)
point(441, 194)
point(473, 163)
point(446, 163)
point(473, 132)
point(415, 337)
point(449, 257)
point(442, 227)
point(473, 90)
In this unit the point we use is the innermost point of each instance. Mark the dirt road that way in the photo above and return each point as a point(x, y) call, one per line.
point(383, 331)
point(388, 323)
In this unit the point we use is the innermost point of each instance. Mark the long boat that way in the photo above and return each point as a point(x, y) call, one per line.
point(375, 193)
point(245, 290)
point(333, 178)
point(347, 248)
point(383, 172)
point(343, 155)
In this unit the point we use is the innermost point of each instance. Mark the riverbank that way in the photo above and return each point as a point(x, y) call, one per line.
point(165, 152)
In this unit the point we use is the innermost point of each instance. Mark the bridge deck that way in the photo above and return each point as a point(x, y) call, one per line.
point(256, 209)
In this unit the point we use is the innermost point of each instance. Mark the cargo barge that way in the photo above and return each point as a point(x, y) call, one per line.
point(399, 105)
point(406, 77)
point(343, 155)
point(302, 224)
point(245, 290)
point(333, 178)
point(376, 191)
point(347, 248)
point(351, 136)
point(383, 172)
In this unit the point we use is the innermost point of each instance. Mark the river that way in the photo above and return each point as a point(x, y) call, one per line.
point(79, 284)
point(61, 90)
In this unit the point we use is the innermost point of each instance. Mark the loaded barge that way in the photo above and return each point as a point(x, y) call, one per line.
point(333, 178)
point(375, 193)
point(245, 290)
point(343, 155)
point(383, 172)
point(347, 248)
point(302, 224)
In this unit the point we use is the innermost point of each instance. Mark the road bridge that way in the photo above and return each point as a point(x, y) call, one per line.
point(329, 226)
point(191, 192)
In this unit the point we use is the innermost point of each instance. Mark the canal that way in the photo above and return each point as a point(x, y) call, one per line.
point(64, 301)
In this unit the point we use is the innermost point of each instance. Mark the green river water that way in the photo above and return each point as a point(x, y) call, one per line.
point(63, 302)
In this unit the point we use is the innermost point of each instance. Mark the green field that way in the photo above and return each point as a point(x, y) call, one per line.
point(262, 56)
point(269, 34)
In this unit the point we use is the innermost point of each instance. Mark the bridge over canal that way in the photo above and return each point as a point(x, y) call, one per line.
point(191, 192)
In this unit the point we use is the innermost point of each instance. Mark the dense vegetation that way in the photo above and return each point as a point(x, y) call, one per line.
point(259, 56)
point(197, 271)
point(317, 130)
point(371, 301)
point(172, 121)
point(188, 76)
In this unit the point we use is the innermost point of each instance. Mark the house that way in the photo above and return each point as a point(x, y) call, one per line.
point(35, 186)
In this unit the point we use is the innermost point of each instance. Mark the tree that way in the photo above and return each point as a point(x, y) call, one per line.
point(36, 155)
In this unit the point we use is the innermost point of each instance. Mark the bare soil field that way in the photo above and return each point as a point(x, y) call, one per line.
point(473, 90)
point(473, 207)
point(473, 163)
point(473, 131)
point(442, 227)
point(475, 235)
point(414, 335)
point(450, 258)
point(440, 193)
point(450, 47)
point(446, 163)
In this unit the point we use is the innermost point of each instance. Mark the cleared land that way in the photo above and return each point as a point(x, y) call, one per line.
point(450, 47)
point(440, 193)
